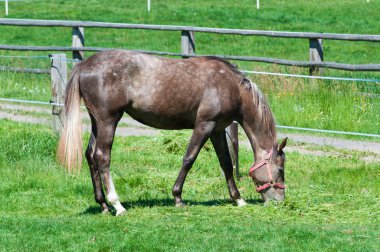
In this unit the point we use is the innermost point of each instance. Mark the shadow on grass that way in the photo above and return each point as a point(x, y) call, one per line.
point(92, 210)
point(168, 202)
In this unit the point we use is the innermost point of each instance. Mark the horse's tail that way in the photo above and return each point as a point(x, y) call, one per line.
point(69, 152)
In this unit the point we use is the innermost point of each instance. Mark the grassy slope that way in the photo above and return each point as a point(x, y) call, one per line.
point(348, 16)
point(332, 202)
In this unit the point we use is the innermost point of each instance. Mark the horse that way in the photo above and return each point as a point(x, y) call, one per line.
point(205, 94)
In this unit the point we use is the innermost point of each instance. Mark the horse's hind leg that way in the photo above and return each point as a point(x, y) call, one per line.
point(219, 142)
point(200, 135)
point(95, 175)
point(102, 156)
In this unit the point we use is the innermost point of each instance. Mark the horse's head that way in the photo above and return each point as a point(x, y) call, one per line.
point(269, 174)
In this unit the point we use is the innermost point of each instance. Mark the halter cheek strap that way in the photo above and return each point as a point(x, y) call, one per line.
point(258, 165)
point(265, 161)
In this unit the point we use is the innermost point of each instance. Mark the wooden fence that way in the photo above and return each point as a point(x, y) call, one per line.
point(188, 42)
point(188, 49)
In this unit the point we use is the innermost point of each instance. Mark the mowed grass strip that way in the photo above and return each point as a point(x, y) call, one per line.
point(332, 201)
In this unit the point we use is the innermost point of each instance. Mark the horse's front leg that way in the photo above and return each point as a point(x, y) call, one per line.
point(219, 142)
point(200, 135)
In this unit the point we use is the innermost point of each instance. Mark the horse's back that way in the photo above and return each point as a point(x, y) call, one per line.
point(160, 92)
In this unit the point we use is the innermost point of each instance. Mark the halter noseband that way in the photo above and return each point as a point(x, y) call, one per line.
point(258, 165)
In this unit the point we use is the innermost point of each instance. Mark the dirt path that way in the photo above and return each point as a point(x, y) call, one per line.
point(301, 143)
point(42, 115)
point(364, 146)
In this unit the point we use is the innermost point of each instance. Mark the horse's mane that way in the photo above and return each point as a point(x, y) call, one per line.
point(231, 66)
point(263, 109)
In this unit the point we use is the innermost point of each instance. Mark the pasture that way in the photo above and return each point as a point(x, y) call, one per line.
point(332, 200)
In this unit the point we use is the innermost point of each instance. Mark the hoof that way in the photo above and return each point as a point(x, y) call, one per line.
point(180, 204)
point(241, 202)
point(121, 212)
point(105, 210)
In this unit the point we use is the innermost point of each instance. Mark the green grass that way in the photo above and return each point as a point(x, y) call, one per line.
point(332, 202)
point(323, 104)
point(35, 87)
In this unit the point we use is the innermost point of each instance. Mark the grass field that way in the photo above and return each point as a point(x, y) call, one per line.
point(332, 202)
point(295, 102)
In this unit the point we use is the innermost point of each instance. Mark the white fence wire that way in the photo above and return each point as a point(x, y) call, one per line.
point(313, 76)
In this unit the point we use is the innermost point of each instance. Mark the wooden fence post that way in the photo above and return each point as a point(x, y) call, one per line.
point(187, 43)
point(78, 41)
point(233, 146)
point(58, 73)
point(316, 55)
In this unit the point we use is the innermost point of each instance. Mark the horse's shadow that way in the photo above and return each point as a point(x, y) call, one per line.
point(167, 202)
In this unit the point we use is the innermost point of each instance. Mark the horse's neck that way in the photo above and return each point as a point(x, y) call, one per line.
point(260, 140)
point(258, 124)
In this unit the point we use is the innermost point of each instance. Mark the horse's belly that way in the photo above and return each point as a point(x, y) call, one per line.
point(162, 120)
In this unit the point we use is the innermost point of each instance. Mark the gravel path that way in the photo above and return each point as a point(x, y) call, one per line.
point(365, 146)
point(130, 127)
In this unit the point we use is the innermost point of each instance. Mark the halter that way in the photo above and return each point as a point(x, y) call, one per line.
point(258, 165)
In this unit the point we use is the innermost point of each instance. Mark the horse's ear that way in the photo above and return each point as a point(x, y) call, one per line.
point(282, 145)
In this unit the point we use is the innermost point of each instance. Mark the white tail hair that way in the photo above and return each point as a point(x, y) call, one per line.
point(69, 152)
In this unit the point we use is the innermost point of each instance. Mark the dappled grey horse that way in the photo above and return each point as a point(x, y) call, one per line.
point(204, 94)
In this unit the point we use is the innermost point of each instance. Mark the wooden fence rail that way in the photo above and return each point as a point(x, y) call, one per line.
point(188, 42)
point(281, 34)
point(315, 62)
